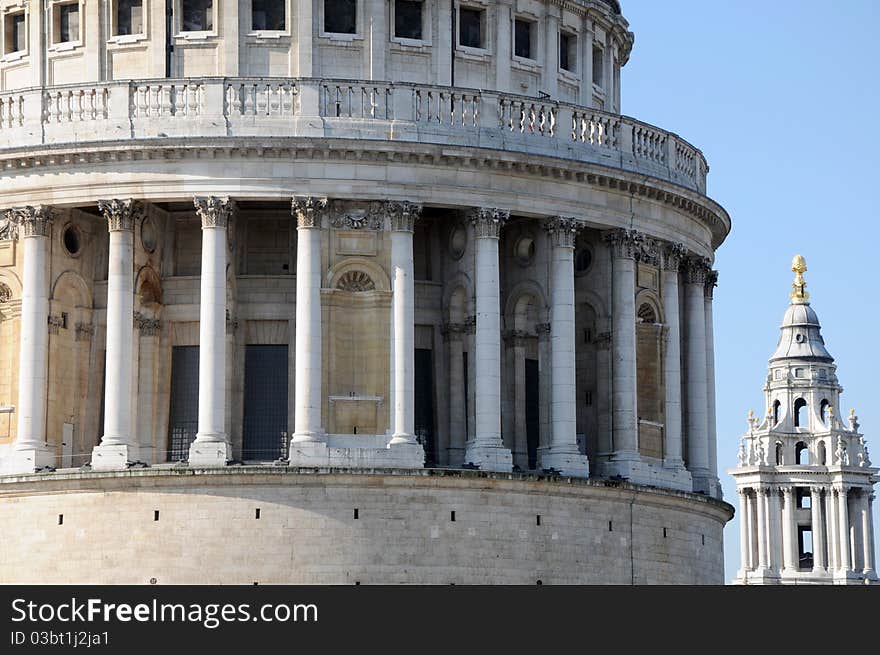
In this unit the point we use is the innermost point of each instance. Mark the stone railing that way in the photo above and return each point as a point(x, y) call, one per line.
point(352, 109)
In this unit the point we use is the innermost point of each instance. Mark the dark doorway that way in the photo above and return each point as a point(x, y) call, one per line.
point(183, 417)
point(265, 403)
point(532, 404)
point(424, 400)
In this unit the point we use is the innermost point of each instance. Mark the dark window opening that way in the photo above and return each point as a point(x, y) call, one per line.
point(68, 23)
point(647, 314)
point(805, 548)
point(264, 433)
point(356, 513)
point(799, 406)
point(533, 426)
point(257, 513)
point(821, 453)
point(823, 411)
point(424, 403)
point(197, 15)
point(129, 17)
point(61, 519)
point(582, 260)
point(268, 15)
point(183, 416)
point(470, 27)
point(522, 39)
point(340, 16)
point(776, 406)
point(452, 516)
point(802, 498)
point(16, 35)
point(567, 52)
point(156, 515)
point(71, 239)
point(408, 19)
point(801, 453)
point(664, 533)
point(467, 422)
point(779, 448)
point(610, 526)
point(598, 65)
point(537, 519)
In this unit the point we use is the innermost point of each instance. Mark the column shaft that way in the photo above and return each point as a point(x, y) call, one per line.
point(788, 537)
point(818, 530)
point(868, 530)
point(844, 552)
point(743, 533)
point(751, 527)
point(711, 419)
point(774, 541)
point(564, 454)
point(761, 498)
point(457, 418)
point(831, 529)
point(486, 448)
point(308, 424)
point(697, 421)
point(623, 386)
point(672, 360)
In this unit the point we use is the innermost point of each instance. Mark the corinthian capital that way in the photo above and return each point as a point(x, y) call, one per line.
point(29, 221)
point(214, 211)
point(672, 255)
point(121, 214)
point(626, 244)
point(488, 221)
point(404, 215)
point(696, 269)
point(308, 211)
point(562, 231)
point(711, 283)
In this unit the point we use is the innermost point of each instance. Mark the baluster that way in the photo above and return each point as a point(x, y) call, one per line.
point(249, 100)
point(56, 106)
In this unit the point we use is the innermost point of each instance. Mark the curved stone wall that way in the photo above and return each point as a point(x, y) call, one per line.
point(277, 525)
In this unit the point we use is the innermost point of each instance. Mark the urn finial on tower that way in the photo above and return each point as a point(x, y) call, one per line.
point(799, 287)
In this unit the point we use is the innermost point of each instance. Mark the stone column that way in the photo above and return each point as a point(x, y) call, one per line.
point(831, 529)
point(844, 553)
point(672, 255)
point(148, 331)
point(454, 335)
point(403, 218)
point(308, 427)
point(711, 419)
point(818, 530)
point(789, 540)
point(563, 454)
point(486, 448)
point(33, 226)
point(744, 554)
point(697, 420)
point(870, 568)
point(774, 547)
point(761, 498)
point(117, 447)
point(751, 496)
point(211, 446)
point(624, 430)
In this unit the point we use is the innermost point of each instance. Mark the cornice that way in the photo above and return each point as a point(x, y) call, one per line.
point(49, 158)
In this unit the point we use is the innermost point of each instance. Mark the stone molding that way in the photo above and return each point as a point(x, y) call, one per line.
point(562, 231)
point(309, 211)
point(214, 211)
point(345, 215)
point(454, 331)
point(121, 215)
point(56, 322)
point(5, 294)
point(603, 341)
point(147, 326)
point(487, 221)
point(355, 281)
point(28, 221)
point(83, 331)
point(518, 338)
point(543, 330)
point(711, 283)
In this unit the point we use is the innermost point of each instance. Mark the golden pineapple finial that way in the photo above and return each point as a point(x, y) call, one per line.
point(799, 287)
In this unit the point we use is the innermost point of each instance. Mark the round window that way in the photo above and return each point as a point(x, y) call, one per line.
point(583, 259)
point(524, 250)
point(149, 234)
point(72, 239)
point(457, 241)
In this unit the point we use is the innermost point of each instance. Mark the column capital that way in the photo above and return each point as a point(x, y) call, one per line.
point(27, 221)
point(696, 269)
point(562, 230)
point(762, 489)
point(787, 490)
point(672, 255)
point(214, 211)
point(488, 221)
point(403, 215)
point(817, 489)
point(121, 215)
point(711, 283)
point(308, 211)
point(624, 244)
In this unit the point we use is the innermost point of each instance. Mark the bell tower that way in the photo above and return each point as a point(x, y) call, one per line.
point(804, 477)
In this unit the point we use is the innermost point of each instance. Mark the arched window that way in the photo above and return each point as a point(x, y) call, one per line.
point(776, 406)
point(779, 460)
point(647, 314)
point(823, 411)
point(820, 450)
point(801, 454)
point(799, 406)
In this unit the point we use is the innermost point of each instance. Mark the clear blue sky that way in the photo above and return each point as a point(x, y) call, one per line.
point(783, 98)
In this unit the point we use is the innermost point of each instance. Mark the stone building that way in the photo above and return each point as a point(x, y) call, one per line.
point(341, 258)
point(804, 478)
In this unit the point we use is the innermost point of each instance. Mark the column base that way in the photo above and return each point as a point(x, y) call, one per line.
point(27, 460)
point(759, 576)
point(112, 458)
point(339, 452)
point(569, 462)
point(209, 453)
point(649, 472)
point(705, 483)
point(489, 457)
point(455, 456)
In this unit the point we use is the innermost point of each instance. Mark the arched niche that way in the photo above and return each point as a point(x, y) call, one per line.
point(651, 387)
